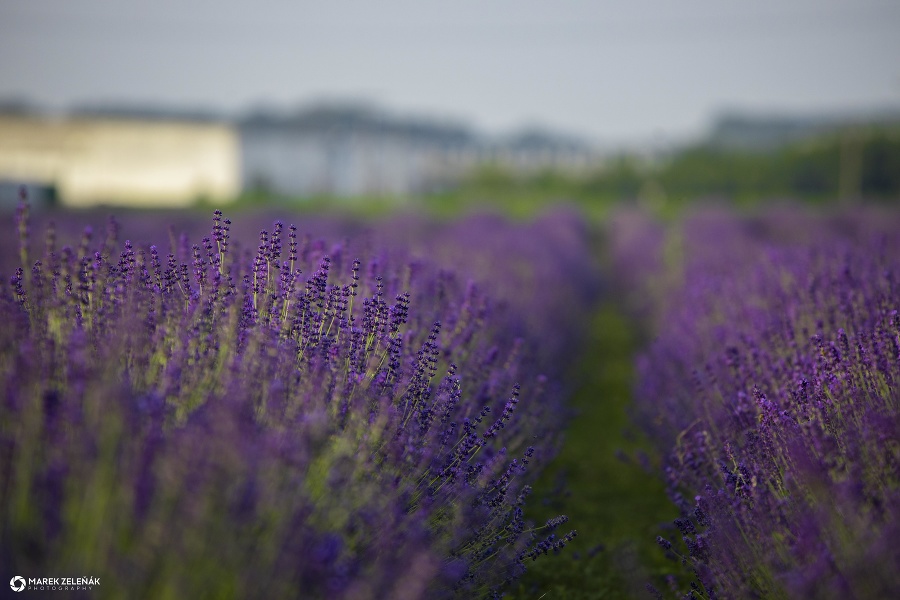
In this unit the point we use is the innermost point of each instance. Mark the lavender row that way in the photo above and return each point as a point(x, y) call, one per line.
point(288, 420)
point(772, 391)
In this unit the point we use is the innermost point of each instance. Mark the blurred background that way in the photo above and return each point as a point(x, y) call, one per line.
point(344, 111)
point(442, 106)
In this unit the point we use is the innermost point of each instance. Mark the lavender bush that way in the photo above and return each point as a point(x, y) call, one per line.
point(773, 391)
point(206, 420)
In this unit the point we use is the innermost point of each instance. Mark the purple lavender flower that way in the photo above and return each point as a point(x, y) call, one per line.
point(228, 419)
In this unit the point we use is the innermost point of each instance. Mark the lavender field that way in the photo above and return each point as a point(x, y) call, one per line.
point(256, 406)
point(770, 393)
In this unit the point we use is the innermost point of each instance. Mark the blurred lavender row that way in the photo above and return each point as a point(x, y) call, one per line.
point(186, 415)
point(772, 392)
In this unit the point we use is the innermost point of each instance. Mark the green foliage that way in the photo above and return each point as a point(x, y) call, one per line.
point(851, 164)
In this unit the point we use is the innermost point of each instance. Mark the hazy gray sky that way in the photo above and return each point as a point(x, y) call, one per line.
point(614, 70)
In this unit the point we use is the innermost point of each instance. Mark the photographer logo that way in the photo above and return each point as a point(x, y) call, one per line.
point(53, 584)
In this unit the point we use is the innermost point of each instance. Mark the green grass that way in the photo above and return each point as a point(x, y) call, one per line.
point(611, 503)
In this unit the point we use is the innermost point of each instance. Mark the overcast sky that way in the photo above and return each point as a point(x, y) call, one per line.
point(618, 70)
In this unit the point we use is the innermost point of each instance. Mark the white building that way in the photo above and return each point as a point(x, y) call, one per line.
point(93, 160)
point(350, 152)
point(161, 159)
